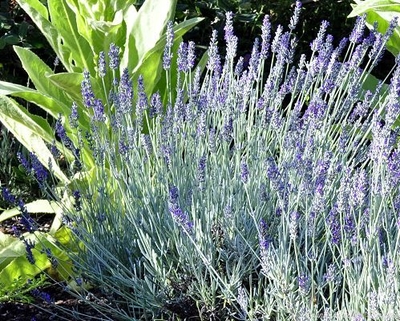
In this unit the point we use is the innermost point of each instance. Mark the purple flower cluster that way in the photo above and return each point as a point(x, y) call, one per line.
point(167, 58)
point(34, 166)
point(179, 216)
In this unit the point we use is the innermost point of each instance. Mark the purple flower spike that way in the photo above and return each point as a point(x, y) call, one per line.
point(244, 172)
point(317, 44)
point(358, 31)
point(8, 197)
point(38, 169)
point(26, 219)
point(201, 170)
point(87, 91)
point(182, 219)
point(113, 54)
point(265, 37)
point(73, 117)
point(173, 195)
point(304, 284)
point(98, 109)
point(230, 38)
point(155, 105)
point(29, 245)
point(213, 63)
point(168, 46)
point(42, 295)
point(60, 130)
point(102, 64)
point(295, 18)
point(191, 57)
point(182, 57)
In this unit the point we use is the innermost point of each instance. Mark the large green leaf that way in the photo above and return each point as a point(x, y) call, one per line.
point(38, 206)
point(49, 104)
point(373, 5)
point(146, 29)
point(14, 264)
point(63, 19)
point(32, 131)
point(381, 11)
point(37, 71)
point(71, 82)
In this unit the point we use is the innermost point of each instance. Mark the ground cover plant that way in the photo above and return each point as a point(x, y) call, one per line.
point(266, 192)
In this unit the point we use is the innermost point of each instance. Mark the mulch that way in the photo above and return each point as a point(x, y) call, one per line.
point(61, 309)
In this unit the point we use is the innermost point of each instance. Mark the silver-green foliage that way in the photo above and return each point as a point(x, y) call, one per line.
point(271, 192)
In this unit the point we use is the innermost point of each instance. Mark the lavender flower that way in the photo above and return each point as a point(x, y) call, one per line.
point(182, 57)
point(265, 37)
point(243, 300)
point(331, 274)
point(213, 63)
point(98, 110)
point(125, 93)
point(334, 226)
point(29, 245)
point(53, 260)
point(102, 65)
point(8, 197)
point(295, 18)
point(113, 54)
point(42, 295)
point(239, 66)
point(73, 117)
point(373, 309)
point(359, 189)
point(191, 55)
point(155, 105)
point(167, 50)
point(87, 90)
point(304, 284)
point(230, 38)
point(201, 170)
point(277, 39)
point(173, 195)
point(244, 172)
point(145, 140)
point(394, 168)
point(26, 220)
point(34, 167)
point(358, 31)
point(227, 130)
point(254, 63)
point(182, 219)
point(317, 44)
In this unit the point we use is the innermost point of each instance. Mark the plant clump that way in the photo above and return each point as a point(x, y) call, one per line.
point(262, 192)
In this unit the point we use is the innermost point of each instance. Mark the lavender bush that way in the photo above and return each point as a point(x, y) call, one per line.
point(262, 193)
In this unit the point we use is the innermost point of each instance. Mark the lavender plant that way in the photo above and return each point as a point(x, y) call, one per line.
point(271, 192)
